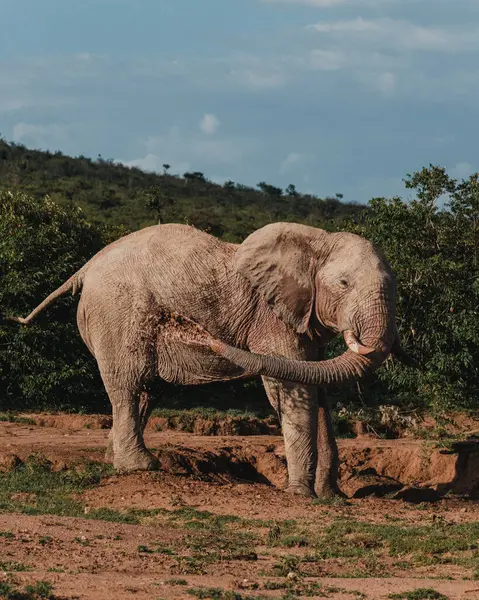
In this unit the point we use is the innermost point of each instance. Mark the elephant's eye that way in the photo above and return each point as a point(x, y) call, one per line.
point(343, 283)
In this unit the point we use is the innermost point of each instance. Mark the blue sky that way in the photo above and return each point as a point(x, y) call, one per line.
point(332, 95)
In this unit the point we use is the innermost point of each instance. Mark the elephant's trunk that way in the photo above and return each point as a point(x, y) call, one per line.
point(365, 352)
point(345, 368)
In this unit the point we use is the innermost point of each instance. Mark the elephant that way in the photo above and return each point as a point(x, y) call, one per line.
point(173, 303)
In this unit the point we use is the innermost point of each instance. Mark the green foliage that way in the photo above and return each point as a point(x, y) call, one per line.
point(40, 589)
point(33, 488)
point(219, 594)
point(434, 253)
point(37, 591)
point(41, 245)
point(419, 594)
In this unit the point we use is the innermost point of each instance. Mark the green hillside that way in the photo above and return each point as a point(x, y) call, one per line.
point(121, 195)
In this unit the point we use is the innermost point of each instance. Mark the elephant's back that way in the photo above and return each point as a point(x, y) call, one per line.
point(142, 253)
point(172, 266)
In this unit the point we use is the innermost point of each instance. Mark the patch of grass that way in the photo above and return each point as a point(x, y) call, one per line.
point(55, 570)
point(33, 488)
point(41, 590)
point(11, 417)
point(11, 565)
point(188, 513)
point(8, 535)
point(83, 541)
point(276, 585)
point(419, 594)
point(307, 589)
point(220, 544)
point(219, 594)
point(176, 582)
point(45, 540)
point(439, 542)
point(159, 550)
point(294, 541)
point(334, 501)
point(287, 565)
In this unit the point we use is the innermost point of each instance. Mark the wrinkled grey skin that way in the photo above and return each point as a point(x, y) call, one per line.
point(286, 291)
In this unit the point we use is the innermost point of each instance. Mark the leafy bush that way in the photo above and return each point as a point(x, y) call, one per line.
point(435, 255)
point(45, 365)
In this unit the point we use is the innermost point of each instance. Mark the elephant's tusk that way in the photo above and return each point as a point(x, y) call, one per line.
point(355, 345)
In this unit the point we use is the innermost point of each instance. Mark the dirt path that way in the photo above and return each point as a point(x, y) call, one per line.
point(175, 548)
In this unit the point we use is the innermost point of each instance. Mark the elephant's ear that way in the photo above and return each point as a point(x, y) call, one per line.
point(277, 260)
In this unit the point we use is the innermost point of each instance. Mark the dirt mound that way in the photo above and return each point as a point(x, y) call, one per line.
point(368, 466)
point(226, 464)
point(410, 463)
point(216, 425)
point(186, 421)
point(70, 422)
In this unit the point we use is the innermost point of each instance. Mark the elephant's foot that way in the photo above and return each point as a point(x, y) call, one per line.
point(300, 489)
point(109, 451)
point(327, 490)
point(141, 460)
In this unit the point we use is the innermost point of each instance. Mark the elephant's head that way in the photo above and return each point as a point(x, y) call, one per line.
point(317, 281)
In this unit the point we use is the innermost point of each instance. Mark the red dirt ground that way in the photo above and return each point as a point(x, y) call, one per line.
point(226, 476)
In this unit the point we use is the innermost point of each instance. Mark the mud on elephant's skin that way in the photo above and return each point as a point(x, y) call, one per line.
point(173, 303)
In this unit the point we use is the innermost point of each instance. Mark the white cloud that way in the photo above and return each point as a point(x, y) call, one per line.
point(84, 56)
point(353, 25)
point(257, 74)
point(401, 34)
point(186, 152)
point(318, 3)
point(292, 160)
point(209, 124)
point(333, 3)
point(462, 170)
point(152, 162)
point(258, 80)
point(327, 60)
point(386, 82)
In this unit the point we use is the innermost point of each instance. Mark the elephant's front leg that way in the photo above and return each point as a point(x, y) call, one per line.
point(297, 408)
point(326, 484)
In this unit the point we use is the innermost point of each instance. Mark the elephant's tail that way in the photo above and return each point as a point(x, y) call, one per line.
point(74, 284)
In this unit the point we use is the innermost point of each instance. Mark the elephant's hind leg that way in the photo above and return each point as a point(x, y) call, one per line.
point(147, 402)
point(129, 450)
point(124, 385)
